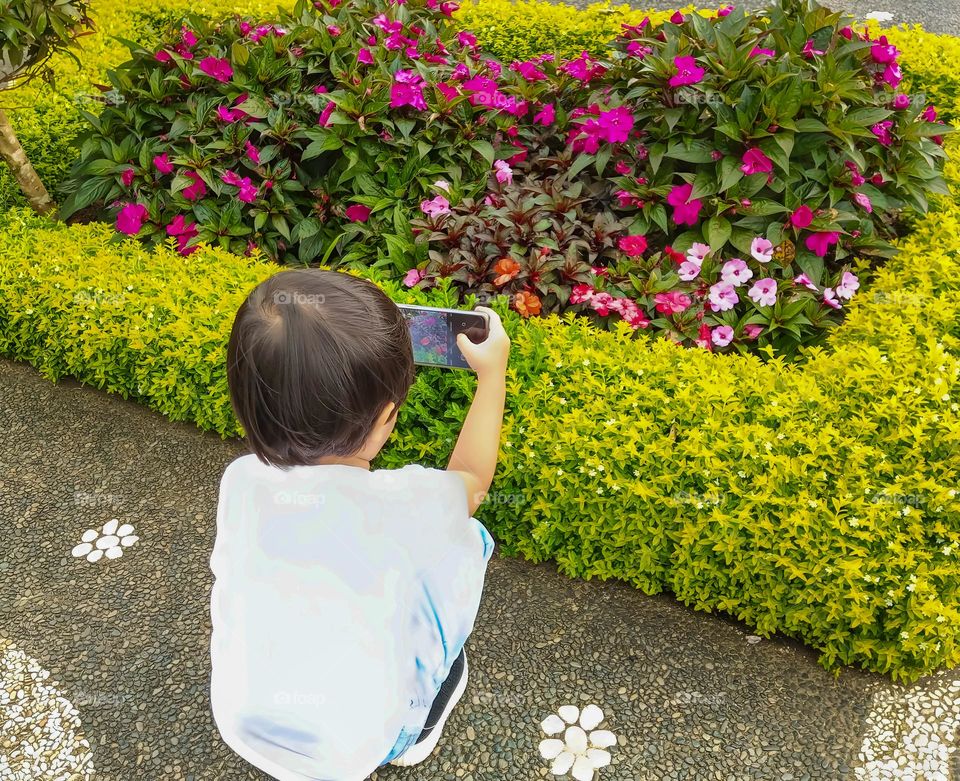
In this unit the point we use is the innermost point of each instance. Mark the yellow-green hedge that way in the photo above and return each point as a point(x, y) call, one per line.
point(816, 499)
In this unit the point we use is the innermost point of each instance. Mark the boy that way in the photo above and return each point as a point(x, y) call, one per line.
point(342, 596)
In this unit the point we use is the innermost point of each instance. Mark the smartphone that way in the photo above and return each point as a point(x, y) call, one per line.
point(434, 333)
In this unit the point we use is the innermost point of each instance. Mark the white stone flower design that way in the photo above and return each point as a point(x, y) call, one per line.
point(880, 16)
point(114, 539)
point(583, 748)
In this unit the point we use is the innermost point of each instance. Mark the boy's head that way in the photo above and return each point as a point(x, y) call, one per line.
point(318, 364)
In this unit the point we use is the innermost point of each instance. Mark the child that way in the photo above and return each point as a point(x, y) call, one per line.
point(343, 595)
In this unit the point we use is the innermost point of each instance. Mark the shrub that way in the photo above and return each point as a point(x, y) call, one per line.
point(818, 500)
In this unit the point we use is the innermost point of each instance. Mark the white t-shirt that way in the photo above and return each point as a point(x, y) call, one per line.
point(341, 599)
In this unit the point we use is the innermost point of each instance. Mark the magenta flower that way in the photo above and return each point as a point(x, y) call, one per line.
point(803, 279)
point(882, 131)
point(503, 172)
point(724, 10)
point(130, 218)
point(672, 303)
point(882, 52)
point(467, 40)
point(634, 246)
point(615, 125)
point(892, 75)
point(601, 302)
point(127, 177)
point(188, 36)
point(863, 202)
point(802, 217)
point(638, 50)
point(809, 51)
point(412, 277)
point(528, 70)
point(407, 90)
point(253, 154)
point(819, 243)
point(756, 162)
point(583, 68)
point(677, 18)
point(227, 115)
point(685, 210)
point(752, 331)
point(581, 294)
point(723, 296)
point(849, 284)
point(546, 115)
point(435, 206)
point(901, 101)
point(448, 91)
point(162, 164)
point(365, 56)
point(163, 56)
point(764, 292)
point(830, 299)
point(324, 118)
point(248, 193)
point(688, 72)
point(756, 51)
point(929, 114)
point(358, 213)
point(735, 272)
point(333, 30)
point(722, 335)
point(217, 68)
point(183, 232)
point(196, 190)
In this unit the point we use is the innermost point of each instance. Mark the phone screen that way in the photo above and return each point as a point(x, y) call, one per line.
point(433, 333)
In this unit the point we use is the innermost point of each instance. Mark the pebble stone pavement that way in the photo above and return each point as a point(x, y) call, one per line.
point(110, 657)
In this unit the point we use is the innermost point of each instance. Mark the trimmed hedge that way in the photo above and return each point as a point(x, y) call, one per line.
point(816, 499)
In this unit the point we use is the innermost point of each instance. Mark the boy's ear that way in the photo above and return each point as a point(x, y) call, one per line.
point(387, 413)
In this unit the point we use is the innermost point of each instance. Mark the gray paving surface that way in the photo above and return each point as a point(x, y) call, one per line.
point(688, 696)
point(938, 16)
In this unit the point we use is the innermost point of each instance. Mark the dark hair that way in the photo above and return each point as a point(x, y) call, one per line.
point(314, 357)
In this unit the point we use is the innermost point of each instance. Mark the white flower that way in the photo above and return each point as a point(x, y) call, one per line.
point(880, 16)
point(114, 539)
point(583, 749)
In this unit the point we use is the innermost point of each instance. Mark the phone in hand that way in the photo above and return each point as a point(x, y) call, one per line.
point(434, 333)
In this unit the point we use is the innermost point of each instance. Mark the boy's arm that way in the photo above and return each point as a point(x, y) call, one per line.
point(475, 455)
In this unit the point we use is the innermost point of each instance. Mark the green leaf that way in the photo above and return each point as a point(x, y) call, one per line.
point(717, 232)
point(485, 150)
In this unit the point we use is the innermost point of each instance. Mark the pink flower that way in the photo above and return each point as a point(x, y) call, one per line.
point(809, 51)
point(688, 271)
point(929, 114)
point(849, 284)
point(882, 131)
point(677, 18)
point(863, 202)
point(615, 125)
point(634, 30)
point(722, 335)
point(163, 56)
point(634, 246)
point(584, 68)
point(901, 101)
point(435, 206)
point(698, 253)
point(468, 40)
point(407, 90)
point(227, 115)
point(752, 331)
point(412, 277)
point(672, 303)
point(188, 36)
point(756, 162)
point(723, 296)
point(528, 70)
point(449, 92)
point(892, 75)
point(802, 217)
point(688, 72)
point(601, 301)
point(830, 299)
point(324, 119)
point(756, 51)
point(365, 56)
point(162, 164)
point(685, 210)
point(333, 30)
point(217, 68)
point(131, 217)
point(545, 116)
point(735, 272)
point(253, 154)
point(803, 279)
point(183, 232)
point(724, 10)
point(764, 292)
point(196, 190)
point(882, 52)
point(581, 294)
point(357, 212)
point(623, 168)
point(819, 243)
point(638, 50)
point(761, 249)
point(633, 315)
point(127, 177)
point(503, 172)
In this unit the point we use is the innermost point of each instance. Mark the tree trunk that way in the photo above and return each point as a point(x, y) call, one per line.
point(13, 155)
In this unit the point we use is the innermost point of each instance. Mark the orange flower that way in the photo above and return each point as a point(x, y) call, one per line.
point(506, 269)
point(527, 304)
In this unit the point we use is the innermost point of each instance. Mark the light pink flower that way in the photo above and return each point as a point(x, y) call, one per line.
point(803, 279)
point(688, 271)
point(434, 207)
point(735, 272)
point(849, 284)
point(830, 299)
point(601, 302)
point(722, 335)
point(764, 292)
point(723, 296)
point(698, 253)
point(412, 277)
point(863, 202)
point(761, 249)
point(503, 172)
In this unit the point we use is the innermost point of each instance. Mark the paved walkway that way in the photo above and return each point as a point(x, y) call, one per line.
point(688, 695)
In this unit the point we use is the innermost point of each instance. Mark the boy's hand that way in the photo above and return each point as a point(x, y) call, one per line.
point(489, 358)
